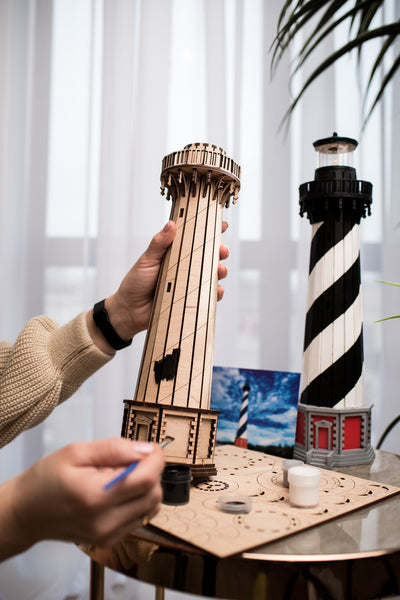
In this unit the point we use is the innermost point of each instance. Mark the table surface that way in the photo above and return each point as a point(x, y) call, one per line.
point(367, 535)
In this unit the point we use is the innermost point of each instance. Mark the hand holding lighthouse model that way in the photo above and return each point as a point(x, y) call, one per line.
point(129, 308)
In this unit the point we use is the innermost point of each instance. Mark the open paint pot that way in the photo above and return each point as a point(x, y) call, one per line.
point(175, 482)
point(304, 484)
point(234, 503)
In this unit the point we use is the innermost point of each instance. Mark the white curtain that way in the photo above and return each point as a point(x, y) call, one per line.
point(94, 93)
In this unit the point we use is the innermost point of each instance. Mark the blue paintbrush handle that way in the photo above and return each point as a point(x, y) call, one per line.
point(132, 466)
point(122, 475)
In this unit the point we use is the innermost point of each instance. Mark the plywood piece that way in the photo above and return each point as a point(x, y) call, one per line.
point(272, 516)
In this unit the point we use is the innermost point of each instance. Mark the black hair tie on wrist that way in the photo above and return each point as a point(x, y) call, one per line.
point(102, 321)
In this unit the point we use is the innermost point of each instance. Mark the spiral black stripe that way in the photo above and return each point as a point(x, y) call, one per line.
point(332, 303)
point(327, 236)
point(333, 384)
point(242, 427)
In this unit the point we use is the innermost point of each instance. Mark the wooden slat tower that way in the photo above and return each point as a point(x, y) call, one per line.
point(173, 390)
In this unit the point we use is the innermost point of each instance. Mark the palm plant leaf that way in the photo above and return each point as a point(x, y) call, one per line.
point(368, 11)
point(390, 283)
point(287, 35)
point(367, 15)
point(355, 43)
point(295, 15)
point(379, 59)
point(393, 316)
point(304, 53)
point(297, 19)
point(388, 318)
point(386, 80)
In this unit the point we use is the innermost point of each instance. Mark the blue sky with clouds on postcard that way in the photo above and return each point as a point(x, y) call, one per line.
point(272, 408)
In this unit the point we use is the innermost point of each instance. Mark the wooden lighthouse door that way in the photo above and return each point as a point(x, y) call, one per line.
point(143, 428)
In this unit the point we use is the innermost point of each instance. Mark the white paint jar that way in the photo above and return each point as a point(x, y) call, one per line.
point(304, 484)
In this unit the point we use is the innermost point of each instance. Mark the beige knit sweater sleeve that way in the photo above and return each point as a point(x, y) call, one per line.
point(43, 368)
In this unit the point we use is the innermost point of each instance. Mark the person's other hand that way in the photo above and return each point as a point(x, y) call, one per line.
point(62, 496)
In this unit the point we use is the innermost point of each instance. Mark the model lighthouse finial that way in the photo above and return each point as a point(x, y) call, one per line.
point(333, 425)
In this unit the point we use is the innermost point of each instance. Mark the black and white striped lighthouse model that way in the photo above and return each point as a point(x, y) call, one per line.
point(241, 434)
point(333, 423)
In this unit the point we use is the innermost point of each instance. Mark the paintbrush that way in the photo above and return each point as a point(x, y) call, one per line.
point(133, 466)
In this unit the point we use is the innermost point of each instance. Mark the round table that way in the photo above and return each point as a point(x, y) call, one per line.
point(354, 556)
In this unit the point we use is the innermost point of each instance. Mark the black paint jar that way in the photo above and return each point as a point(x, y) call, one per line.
point(175, 481)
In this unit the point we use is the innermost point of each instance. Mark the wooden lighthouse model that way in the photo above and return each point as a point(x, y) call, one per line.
point(333, 423)
point(173, 390)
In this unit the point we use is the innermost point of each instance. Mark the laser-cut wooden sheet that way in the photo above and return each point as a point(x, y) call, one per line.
point(272, 516)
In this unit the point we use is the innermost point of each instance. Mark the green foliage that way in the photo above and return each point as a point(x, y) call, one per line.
point(283, 451)
point(393, 316)
point(323, 17)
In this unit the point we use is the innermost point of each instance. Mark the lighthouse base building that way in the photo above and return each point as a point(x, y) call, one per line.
point(194, 432)
point(331, 438)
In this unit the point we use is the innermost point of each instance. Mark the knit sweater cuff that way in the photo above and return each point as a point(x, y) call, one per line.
point(74, 354)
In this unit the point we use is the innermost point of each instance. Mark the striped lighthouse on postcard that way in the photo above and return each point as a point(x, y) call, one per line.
point(173, 389)
point(241, 434)
point(333, 422)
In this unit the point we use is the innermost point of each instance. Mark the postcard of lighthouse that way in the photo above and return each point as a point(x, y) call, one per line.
point(258, 408)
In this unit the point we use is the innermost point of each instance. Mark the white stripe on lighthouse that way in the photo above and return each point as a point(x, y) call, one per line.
point(334, 341)
point(332, 265)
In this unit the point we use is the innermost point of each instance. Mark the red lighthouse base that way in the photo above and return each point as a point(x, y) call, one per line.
point(329, 437)
point(241, 442)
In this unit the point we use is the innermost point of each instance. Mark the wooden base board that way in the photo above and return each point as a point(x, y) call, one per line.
point(259, 476)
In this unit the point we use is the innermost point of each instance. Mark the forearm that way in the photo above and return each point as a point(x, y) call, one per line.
point(13, 540)
point(46, 365)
